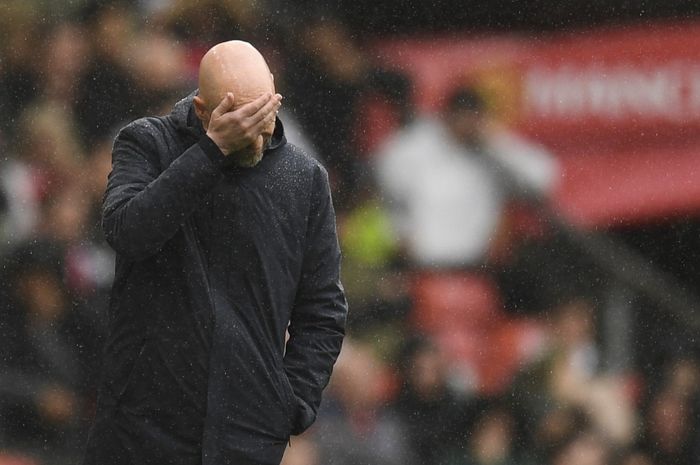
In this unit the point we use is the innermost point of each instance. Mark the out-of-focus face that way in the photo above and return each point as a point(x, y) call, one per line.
point(466, 126)
point(575, 324)
point(66, 59)
point(668, 421)
point(426, 372)
point(65, 217)
point(357, 377)
point(584, 450)
point(492, 440)
point(42, 295)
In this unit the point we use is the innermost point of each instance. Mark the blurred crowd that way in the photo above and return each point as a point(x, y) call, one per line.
point(475, 335)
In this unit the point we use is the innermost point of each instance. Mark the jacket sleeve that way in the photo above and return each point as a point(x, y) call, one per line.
point(317, 325)
point(143, 207)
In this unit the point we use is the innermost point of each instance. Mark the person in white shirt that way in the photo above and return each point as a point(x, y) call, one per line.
point(447, 179)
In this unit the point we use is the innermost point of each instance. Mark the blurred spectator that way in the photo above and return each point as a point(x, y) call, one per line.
point(446, 182)
point(683, 378)
point(207, 22)
point(48, 157)
point(491, 441)
point(48, 356)
point(20, 204)
point(108, 92)
point(50, 146)
point(66, 58)
point(328, 74)
point(64, 216)
point(586, 448)
point(160, 63)
point(88, 260)
point(355, 426)
point(433, 415)
point(568, 376)
point(672, 429)
point(18, 73)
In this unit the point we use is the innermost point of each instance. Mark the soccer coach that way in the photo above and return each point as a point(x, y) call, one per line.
point(225, 238)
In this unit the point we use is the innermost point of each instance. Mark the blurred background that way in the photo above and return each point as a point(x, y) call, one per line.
point(517, 187)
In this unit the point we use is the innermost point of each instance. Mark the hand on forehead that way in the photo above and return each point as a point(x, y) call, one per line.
point(236, 67)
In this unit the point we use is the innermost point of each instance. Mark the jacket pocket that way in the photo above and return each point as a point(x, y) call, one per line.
point(290, 402)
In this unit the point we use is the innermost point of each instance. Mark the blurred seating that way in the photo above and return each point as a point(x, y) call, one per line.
point(464, 314)
point(455, 301)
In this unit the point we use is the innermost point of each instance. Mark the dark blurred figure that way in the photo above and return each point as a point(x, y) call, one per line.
point(683, 378)
point(566, 387)
point(207, 22)
point(585, 448)
point(108, 93)
point(356, 425)
point(672, 433)
point(48, 360)
point(74, 217)
point(633, 457)
point(330, 76)
point(431, 412)
point(65, 59)
point(18, 73)
point(490, 441)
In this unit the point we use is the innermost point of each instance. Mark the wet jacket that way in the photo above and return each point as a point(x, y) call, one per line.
point(214, 264)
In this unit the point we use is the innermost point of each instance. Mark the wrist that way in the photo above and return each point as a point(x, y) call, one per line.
point(212, 150)
point(218, 144)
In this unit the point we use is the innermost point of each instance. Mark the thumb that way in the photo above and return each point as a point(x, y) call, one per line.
point(224, 106)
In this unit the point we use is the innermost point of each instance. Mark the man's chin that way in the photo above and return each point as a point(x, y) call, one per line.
point(245, 160)
point(250, 161)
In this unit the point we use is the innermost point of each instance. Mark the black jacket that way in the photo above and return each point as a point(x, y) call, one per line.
point(213, 263)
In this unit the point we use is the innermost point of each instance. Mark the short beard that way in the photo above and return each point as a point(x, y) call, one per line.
point(244, 159)
point(248, 161)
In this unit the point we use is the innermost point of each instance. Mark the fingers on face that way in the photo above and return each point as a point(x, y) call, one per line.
point(252, 108)
point(267, 116)
point(269, 109)
point(253, 117)
point(257, 109)
point(224, 106)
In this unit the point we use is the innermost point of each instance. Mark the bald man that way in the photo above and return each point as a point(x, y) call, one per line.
point(225, 238)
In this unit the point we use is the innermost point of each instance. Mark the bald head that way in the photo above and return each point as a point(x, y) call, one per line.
point(233, 75)
point(236, 67)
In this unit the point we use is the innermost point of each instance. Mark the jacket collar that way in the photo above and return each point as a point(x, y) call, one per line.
point(186, 121)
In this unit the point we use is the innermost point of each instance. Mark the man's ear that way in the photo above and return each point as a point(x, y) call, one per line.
point(201, 111)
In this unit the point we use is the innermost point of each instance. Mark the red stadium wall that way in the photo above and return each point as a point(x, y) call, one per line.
point(619, 107)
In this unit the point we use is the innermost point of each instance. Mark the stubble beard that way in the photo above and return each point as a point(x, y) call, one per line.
point(245, 158)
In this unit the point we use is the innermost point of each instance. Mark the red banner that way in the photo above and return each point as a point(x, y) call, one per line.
point(619, 107)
